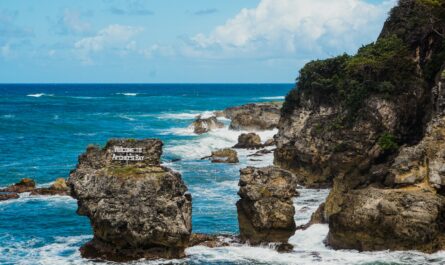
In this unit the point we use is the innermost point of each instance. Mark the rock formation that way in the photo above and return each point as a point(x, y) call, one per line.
point(25, 185)
point(138, 208)
point(59, 187)
point(265, 210)
point(225, 155)
point(204, 125)
point(372, 126)
point(29, 185)
point(257, 116)
point(249, 141)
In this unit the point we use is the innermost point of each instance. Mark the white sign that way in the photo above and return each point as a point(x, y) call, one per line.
point(127, 153)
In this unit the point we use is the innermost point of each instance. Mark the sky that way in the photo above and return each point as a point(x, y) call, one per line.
point(178, 41)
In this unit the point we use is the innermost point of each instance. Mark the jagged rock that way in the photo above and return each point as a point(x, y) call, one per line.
point(59, 187)
point(261, 152)
point(265, 210)
point(269, 142)
point(395, 219)
point(59, 184)
point(212, 241)
point(226, 155)
point(249, 141)
point(138, 208)
point(204, 125)
point(258, 116)
point(25, 185)
point(4, 196)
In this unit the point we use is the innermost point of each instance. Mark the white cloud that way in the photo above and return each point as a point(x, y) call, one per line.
point(73, 23)
point(294, 27)
point(114, 36)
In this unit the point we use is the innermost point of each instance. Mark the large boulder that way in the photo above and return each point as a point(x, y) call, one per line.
point(265, 210)
point(204, 125)
point(395, 219)
point(249, 141)
point(257, 116)
point(225, 155)
point(138, 208)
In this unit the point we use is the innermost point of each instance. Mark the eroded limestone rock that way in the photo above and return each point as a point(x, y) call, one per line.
point(138, 208)
point(265, 210)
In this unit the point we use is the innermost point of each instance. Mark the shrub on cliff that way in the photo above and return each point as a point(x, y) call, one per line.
point(383, 68)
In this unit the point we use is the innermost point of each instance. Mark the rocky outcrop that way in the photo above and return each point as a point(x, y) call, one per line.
point(257, 116)
point(350, 111)
point(396, 219)
point(204, 125)
point(59, 187)
point(4, 196)
point(25, 185)
point(249, 141)
point(225, 155)
point(138, 208)
point(29, 185)
point(372, 126)
point(265, 210)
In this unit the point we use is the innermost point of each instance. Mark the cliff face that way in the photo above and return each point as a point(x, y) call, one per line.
point(350, 111)
point(371, 125)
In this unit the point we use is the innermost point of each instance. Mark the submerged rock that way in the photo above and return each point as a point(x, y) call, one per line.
point(138, 208)
point(204, 125)
point(249, 141)
point(258, 116)
point(225, 155)
point(265, 210)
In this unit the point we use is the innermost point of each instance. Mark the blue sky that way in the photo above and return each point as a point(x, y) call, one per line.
point(178, 41)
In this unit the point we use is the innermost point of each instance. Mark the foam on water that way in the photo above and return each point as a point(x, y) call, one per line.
point(273, 98)
point(128, 94)
point(186, 115)
point(202, 145)
point(38, 95)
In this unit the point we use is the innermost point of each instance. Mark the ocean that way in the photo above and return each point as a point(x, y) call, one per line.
point(45, 127)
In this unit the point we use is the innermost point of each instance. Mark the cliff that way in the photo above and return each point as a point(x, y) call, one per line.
point(361, 124)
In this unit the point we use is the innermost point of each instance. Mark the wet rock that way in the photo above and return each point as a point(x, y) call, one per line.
point(395, 219)
point(265, 210)
point(226, 155)
point(212, 241)
point(4, 196)
point(270, 142)
point(249, 141)
point(261, 152)
point(59, 187)
point(204, 125)
point(25, 185)
point(138, 208)
point(258, 116)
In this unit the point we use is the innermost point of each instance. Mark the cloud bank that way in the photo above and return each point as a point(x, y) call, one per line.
point(302, 28)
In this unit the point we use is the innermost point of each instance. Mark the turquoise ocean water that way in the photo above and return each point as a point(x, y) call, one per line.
point(43, 128)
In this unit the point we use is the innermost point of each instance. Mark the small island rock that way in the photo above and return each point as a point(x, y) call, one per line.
point(138, 208)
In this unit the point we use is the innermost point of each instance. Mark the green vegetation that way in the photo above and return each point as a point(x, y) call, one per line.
point(383, 68)
point(387, 142)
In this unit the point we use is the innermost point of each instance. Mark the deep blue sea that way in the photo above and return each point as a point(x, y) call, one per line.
point(43, 129)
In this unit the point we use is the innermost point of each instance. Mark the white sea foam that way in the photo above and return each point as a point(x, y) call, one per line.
point(203, 145)
point(273, 98)
point(128, 94)
point(38, 95)
point(186, 115)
